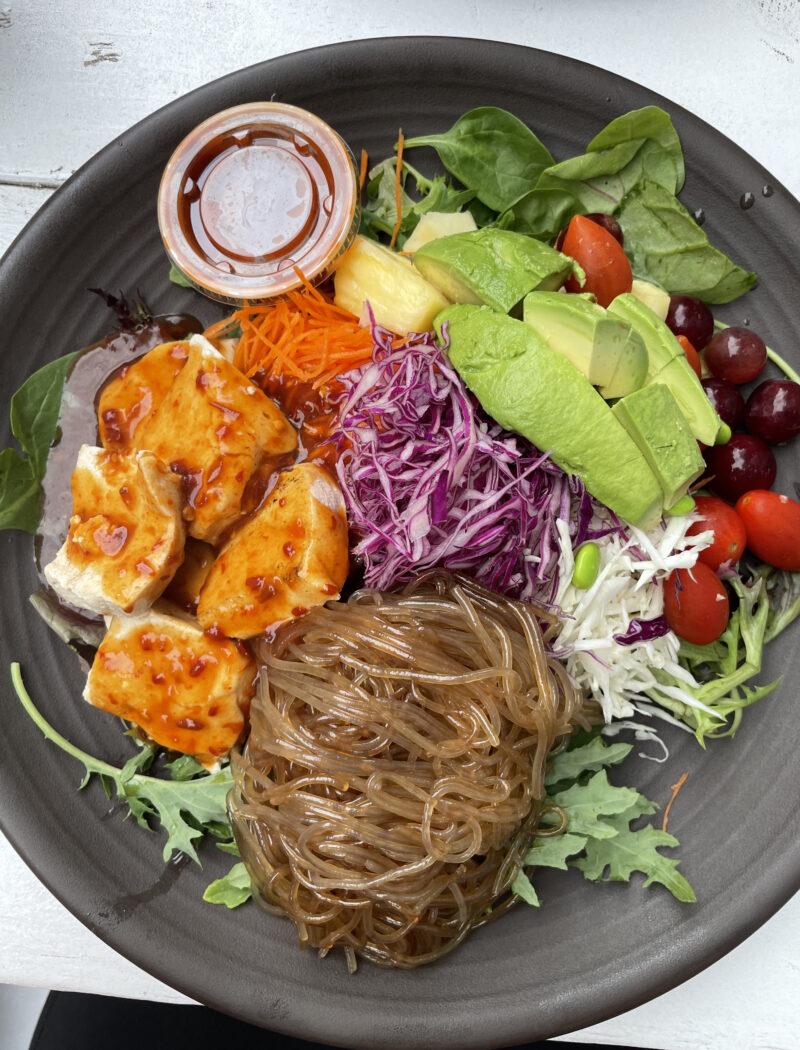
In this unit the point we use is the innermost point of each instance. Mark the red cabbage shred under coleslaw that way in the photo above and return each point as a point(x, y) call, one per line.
point(430, 481)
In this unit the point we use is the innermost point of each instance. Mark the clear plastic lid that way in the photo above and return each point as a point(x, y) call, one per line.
point(254, 194)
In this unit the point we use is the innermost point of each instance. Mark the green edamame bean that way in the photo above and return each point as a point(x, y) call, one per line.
point(685, 505)
point(587, 566)
point(724, 434)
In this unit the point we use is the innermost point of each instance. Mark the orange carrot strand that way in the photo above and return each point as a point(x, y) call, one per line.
point(398, 189)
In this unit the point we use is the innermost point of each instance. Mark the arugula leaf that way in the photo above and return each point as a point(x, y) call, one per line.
point(523, 887)
point(552, 851)
point(491, 152)
point(185, 809)
point(667, 246)
point(178, 277)
point(184, 767)
point(614, 859)
point(587, 803)
point(231, 890)
point(568, 765)
point(34, 419)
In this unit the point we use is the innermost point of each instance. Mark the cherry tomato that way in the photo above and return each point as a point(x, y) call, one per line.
point(730, 538)
point(696, 604)
point(692, 356)
point(608, 272)
point(772, 523)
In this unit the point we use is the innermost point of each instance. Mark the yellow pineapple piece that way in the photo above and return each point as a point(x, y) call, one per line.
point(400, 297)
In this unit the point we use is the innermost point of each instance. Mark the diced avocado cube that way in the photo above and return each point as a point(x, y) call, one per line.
point(494, 267)
point(529, 388)
point(654, 420)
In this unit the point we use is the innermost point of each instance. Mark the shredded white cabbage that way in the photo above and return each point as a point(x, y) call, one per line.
point(633, 565)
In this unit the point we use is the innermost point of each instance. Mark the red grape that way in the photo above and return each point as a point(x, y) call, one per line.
point(736, 354)
point(727, 401)
point(608, 222)
point(773, 411)
point(688, 316)
point(745, 463)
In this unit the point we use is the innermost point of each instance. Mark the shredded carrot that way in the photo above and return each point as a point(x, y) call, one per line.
point(362, 173)
point(675, 789)
point(302, 336)
point(398, 189)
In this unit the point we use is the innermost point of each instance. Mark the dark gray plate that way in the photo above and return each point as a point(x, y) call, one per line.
point(591, 951)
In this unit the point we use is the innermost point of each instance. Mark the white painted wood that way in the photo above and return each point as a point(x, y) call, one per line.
point(76, 73)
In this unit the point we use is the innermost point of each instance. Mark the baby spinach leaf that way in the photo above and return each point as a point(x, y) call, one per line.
point(231, 890)
point(667, 246)
point(34, 419)
point(649, 122)
point(20, 492)
point(642, 144)
point(491, 152)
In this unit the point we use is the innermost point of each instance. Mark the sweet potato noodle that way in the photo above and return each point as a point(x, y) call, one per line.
point(395, 765)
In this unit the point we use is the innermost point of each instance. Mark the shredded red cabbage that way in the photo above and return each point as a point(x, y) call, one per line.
point(430, 481)
point(643, 631)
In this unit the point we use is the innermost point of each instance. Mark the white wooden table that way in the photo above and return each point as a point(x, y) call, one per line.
point(76, 73)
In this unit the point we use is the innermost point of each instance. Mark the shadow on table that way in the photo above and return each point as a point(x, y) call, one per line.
point(95, 1022)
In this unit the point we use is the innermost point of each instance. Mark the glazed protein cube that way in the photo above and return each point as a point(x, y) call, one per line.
point(216, 430)
point(126, 533)
point(188, 690)
point(291, 555)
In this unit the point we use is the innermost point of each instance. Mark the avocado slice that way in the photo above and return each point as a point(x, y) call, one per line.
point(607, 351)
point(656, 423)
point(495, 267)
point(667, 364)
point(529, 388)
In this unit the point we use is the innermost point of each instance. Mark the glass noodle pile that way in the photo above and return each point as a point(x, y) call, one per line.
point(394, 772)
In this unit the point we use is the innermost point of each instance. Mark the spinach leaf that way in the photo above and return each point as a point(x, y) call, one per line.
point(491, 152)
point(667, 246)
point(642, 144)
point(34, 419)
point(650, 122)
point(20, 493)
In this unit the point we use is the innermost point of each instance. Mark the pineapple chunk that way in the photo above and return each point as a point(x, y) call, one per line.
point(400, 297)
point(651, 295)
point(436, 224)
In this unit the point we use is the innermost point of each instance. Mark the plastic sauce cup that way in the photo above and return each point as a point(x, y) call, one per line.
point(254, 194)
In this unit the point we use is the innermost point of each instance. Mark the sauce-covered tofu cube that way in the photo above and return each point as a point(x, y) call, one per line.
point(126, 533)
point(291, 555)
point(217, 430)
point(135, 392)
point(188, 690)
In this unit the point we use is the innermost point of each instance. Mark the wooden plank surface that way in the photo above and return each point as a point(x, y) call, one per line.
point(73, 75)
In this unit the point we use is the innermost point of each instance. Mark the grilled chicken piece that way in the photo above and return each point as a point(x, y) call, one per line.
point(219, 432)
point(126, 533)
point(188, 690)
point(291, 555)
point(135, 392)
